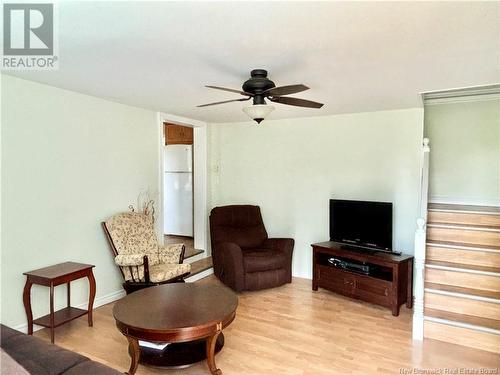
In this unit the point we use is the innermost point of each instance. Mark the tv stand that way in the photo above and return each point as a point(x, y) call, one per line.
point(388, 282)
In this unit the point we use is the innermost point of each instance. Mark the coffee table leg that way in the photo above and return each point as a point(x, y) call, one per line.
point(211, 341)
point(134, 351)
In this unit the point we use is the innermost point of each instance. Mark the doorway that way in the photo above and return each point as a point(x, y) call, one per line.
point(178, 210)
point(200, 177)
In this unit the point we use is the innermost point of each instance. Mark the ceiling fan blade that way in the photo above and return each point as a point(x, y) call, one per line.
point(230, 90)
point(285, 90)
point(225, 101)
point(296, 102)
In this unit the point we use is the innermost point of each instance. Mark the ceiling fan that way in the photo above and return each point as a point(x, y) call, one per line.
point(259, 88)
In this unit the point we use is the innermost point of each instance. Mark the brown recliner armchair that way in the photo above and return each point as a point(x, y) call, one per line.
point(244, 257)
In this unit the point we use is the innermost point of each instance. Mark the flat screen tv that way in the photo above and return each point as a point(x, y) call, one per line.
point(361, 223)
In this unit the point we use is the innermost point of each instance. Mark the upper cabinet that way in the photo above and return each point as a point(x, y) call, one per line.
point(178, 135)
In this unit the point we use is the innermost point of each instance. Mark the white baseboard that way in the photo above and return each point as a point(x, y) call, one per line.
point(200, 275)
point(195, 258)
point(99, 301)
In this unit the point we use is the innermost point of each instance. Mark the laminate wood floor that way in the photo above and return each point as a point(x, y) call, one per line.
point(293, 330)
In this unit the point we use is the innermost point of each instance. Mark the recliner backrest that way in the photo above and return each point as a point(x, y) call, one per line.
point(240, 224)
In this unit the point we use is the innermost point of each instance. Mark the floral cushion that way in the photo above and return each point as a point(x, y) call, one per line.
point(129, 259)
point(133, 233)
point(163, 272)
point(171, 253)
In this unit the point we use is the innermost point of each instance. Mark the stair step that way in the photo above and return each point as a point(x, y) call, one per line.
point(485, 293)
point(477, 280)
point(463, 318)
point(465, 255)
point(463, 308)
point(462, 266)
point(192, 253)
point(464, 234)
point(465, 218)
point(201, 265)
point(461, 335)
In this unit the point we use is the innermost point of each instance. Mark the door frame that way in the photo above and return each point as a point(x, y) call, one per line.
point(200, 181)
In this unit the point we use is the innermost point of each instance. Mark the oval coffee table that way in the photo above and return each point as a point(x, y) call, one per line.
point(189, 317)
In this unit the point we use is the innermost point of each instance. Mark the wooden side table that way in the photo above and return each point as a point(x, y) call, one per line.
point(53, 276)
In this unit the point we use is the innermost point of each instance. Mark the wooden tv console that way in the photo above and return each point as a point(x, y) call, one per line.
point(389, 284)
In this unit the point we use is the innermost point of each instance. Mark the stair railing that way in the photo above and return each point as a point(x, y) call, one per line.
point(420, 244)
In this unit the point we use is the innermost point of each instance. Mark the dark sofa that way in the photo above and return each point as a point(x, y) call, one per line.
point(244, 257)
point(41, 358)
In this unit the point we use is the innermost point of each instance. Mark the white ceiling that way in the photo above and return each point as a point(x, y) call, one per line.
point(355, 56)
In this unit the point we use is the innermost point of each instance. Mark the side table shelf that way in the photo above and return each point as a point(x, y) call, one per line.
point(60, 317)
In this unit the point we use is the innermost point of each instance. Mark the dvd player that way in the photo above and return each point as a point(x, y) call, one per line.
point(350, 266)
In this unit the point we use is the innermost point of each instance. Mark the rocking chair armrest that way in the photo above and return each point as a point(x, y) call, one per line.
point(173, 254)
point(125, 260)
point(134, 260)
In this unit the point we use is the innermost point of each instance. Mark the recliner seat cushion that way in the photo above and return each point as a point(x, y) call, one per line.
point(257, 260)
point(266, 279)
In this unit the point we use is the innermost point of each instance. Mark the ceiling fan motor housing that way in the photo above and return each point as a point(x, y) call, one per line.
point(257, 84)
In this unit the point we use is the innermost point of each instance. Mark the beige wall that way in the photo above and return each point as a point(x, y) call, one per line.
point(68, 162)
point(291, 168)
point(465, 152)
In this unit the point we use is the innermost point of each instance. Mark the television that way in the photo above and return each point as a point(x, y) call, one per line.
point(362, 224)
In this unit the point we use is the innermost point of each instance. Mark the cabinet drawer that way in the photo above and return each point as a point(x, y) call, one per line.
point(336, 280)
point(358, 286)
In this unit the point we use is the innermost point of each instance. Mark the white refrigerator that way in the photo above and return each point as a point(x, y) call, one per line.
point(178, 194)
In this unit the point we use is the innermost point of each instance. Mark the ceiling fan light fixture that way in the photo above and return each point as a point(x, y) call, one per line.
point(258, 112)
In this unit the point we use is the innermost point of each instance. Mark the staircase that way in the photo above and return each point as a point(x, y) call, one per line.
point(462, 276)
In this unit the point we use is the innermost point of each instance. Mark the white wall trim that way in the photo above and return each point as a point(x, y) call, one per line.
point(476, 227)
point(457, 246)
point(461, 295)
point(465, 200)
point(463, 99)
point(462, 95)
point(196, 258)
point(462, 325)
point(200, 275)
point(463, 270)
point(99, 301)
point(200, 178)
